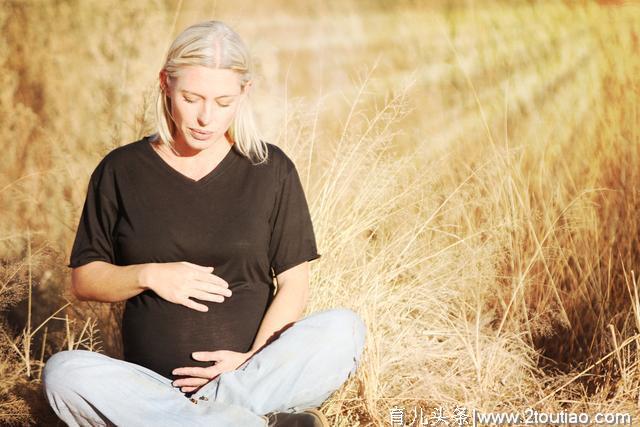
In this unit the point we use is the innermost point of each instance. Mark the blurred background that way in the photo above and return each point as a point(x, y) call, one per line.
point(471, 169)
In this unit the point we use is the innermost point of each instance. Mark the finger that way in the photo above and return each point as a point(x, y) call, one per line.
point(192, 371)
point(188, 389)
point(194, 305)
point(208, 356)
point(213, 289)
point(192, 382)
point(198, 267)
point(206, 296)
point(211, 278)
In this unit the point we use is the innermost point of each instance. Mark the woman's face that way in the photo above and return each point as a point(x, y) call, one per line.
point(204, 102)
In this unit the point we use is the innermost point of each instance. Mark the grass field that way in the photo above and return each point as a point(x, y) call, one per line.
point(471, 168)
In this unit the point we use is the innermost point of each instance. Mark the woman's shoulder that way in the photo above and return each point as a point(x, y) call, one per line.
point(128, 150)
point(279, 159)
point(116, 158)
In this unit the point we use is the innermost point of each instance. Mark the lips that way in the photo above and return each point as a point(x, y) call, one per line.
point(200, 134)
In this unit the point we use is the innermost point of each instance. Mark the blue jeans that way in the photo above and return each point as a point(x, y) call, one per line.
point(300, 369)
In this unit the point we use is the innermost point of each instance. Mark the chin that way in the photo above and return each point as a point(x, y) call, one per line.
point(198, 143)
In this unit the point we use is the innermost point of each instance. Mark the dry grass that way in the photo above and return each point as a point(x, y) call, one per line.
point(471, 168)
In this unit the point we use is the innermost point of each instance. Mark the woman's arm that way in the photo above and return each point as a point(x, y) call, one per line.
point(287, 305)
point(175, 282)
point(105, 282)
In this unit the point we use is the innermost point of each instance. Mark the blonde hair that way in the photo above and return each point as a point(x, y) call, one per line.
point(212, 44)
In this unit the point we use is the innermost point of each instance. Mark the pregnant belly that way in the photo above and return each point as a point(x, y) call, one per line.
point(161, 335)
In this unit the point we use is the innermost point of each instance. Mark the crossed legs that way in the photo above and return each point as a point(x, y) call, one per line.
point(300, 369)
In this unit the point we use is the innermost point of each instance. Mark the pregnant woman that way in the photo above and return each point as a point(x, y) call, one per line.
point(190, 226)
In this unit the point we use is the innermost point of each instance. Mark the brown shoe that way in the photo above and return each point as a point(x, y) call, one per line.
point(306, 418)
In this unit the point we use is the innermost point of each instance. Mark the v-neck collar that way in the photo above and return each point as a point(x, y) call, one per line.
point(226, 161)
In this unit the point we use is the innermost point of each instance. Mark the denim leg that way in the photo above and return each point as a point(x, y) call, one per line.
point(87, 388)
point(300, 369)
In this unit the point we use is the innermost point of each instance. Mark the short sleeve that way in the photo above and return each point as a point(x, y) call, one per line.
point(94, 236)
point(292, 236)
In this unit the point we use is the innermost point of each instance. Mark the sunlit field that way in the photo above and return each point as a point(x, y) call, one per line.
point(472, 170)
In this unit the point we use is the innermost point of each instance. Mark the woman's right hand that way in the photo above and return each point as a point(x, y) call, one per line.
point(177, 281)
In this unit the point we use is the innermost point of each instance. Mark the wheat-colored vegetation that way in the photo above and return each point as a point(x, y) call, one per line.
point(472, 169)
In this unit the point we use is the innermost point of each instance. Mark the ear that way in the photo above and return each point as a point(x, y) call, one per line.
point(164, 82)
point(247, 87)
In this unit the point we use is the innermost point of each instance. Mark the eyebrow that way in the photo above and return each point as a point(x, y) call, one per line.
point(217, 97)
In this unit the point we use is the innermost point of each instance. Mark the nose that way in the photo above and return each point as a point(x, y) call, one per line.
point(204, 115)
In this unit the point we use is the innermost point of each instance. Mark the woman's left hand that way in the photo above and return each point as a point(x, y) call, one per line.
point(226, 360)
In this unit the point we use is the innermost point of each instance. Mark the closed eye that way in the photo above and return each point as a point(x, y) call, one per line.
point(190, 101)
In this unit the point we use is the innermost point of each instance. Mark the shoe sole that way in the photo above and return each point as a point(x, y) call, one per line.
point(324, 422)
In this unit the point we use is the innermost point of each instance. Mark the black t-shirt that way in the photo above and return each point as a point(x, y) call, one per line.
point(250, 222)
